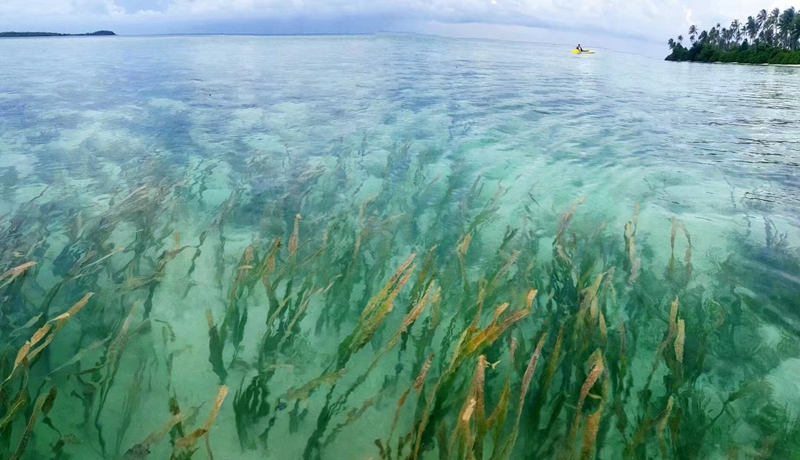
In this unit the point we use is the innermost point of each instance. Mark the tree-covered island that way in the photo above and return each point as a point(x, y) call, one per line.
point(768, 38)
point(53, 34)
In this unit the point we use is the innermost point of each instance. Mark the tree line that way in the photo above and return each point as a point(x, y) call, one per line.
point(768, 38)
point(52, 34)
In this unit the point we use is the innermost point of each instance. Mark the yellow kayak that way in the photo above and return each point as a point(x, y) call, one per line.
point(575, 51)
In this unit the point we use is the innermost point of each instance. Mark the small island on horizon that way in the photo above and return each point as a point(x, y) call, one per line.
point(54, 34)
point(768, 38)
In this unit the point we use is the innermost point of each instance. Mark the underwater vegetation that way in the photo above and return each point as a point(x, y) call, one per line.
point(320, 312)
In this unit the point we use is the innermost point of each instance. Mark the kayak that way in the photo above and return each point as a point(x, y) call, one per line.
point(583, 52)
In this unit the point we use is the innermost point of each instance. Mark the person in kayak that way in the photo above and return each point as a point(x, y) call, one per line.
point(579, 48)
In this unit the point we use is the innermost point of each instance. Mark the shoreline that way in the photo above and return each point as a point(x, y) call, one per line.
point(738, 63)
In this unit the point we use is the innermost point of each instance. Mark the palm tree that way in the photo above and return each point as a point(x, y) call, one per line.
point(761, 19)
point(773, 23)
point(692, 32)
point(737, 31)
point(712, 35)
point(751, 28)
point(680, 39)
point(796, 32)
point(786, 24)
point(671, 44)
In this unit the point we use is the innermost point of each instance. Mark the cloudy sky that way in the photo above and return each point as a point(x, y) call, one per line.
point(621, 24)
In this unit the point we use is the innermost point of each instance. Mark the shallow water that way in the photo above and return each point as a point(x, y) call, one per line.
point(166, 176)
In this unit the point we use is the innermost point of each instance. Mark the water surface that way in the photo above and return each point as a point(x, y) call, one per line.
point(238, 206)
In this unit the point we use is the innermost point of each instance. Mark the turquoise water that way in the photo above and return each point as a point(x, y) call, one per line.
point(238, 206)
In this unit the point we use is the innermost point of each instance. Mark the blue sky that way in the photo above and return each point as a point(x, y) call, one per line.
point(628, 25)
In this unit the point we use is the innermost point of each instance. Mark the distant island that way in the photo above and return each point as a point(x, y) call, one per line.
point(53, 34)
point(769, 38)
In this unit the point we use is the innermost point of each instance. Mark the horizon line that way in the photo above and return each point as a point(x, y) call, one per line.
point(322, 34)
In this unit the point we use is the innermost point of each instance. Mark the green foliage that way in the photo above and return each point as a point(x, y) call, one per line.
point(743, 54)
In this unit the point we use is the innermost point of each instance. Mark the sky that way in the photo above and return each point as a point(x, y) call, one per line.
point(627, 25)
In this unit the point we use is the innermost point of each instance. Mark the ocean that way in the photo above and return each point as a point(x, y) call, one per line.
point(394, 247)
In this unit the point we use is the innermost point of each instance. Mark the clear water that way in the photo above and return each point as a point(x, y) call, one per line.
point(159, 172)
